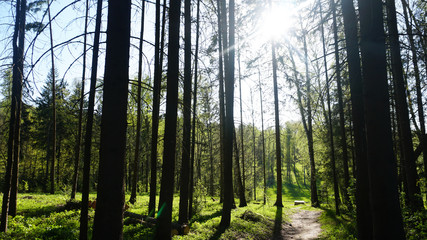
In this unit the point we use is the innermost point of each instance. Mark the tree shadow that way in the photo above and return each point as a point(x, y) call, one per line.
point(217, 234)
point(205, 218)
point(277, 230)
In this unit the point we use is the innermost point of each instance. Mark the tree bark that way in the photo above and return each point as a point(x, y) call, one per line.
point(185, 162)
point(363, 213)
point(108, 223)
point(168, 168)
point(138, 114)
point(15, 115)
point(414, 194)
point(386, 218)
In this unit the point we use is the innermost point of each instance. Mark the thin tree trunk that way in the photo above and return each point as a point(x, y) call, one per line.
point(263, 140)
point(254, 145)
point(168, 168)
point(329, 117)
point(386, 218)
point(229, 116)
point(156, 108)
point(363, 212)
point(414, 194)
point(422, 137)
point(343, 139)
point(241, 190)
point(82, 95)
point(193, 135)
point(89, 126)
point(241, 122)
point(15, 115)
point(52, 163)
point(185, 162)
point(138, 114)
point(108, 223)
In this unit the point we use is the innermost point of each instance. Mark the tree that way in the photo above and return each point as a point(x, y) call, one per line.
point(108, 221)
point(185, 163)
point(15, 111)
point(168, 168)
point(363, 213)
point(229, 116)
point(414, 195)
point(138, 114)
point(386, 218)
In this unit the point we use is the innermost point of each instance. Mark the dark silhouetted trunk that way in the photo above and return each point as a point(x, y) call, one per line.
point(414, 194)
point(386, 218)
point(52, 58)
point(108, 223)
point(241, 190)
point(363, 213)
point(15, 109)
point(185, 162)
point(89, 126)
point(193, 125)
point(138, 114)
point(263, 140)
point(82, 95)
point(163, 230)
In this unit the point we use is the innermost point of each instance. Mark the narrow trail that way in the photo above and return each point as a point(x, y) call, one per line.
point(304, 225)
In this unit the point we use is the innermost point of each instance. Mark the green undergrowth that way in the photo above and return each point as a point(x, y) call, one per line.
point(48, 216)
point(337, 227)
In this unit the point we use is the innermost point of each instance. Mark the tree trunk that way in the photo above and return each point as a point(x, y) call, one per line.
point(241, 190)
point(414, 194)
point(168, 168)
point(108, 223)
point(363, 212)
point(138, 114)
point(421, 136)
point(52, 57)
point(386, 218)
point(193, 136)
point(254, 144)
point(82, 95)
point(185, 162)
point(343, 134)
point(158, 65)
point(89, 127)
point(15, 115)
point(329, 117)
point(263, 139)
point(229, 116)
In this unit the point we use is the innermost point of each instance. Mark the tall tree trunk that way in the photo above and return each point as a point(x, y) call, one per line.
point(343, 134)
point(241, 122)
point(329, 117)
point(241, 190)
point(156, 108)
point(185, 162)
point(278, 202)
point(108, 223)
point(422, 137)
point(363, 212)
point(168, 168)
point(138, 114)
point(229, 116)
point(193, 135)
point(263, 139)
point(16, 102)
point(254, 144)
point(89, 126)
point(414, 194)
point(82, 95)
point(386, 218)
point(52, 58)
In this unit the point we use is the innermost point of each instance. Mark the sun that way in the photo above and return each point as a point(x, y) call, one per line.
point(276, 22)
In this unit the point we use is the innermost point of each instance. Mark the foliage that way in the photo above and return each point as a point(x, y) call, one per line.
point(337, 227)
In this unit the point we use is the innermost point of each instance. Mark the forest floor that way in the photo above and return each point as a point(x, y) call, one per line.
point(303, 225)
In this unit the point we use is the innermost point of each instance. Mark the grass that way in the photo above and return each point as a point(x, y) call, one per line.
point(43, 216)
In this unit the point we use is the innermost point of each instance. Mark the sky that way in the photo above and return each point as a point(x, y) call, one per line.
point(274, 24)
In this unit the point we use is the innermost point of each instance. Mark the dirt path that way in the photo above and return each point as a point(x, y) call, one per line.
point(304, 226)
